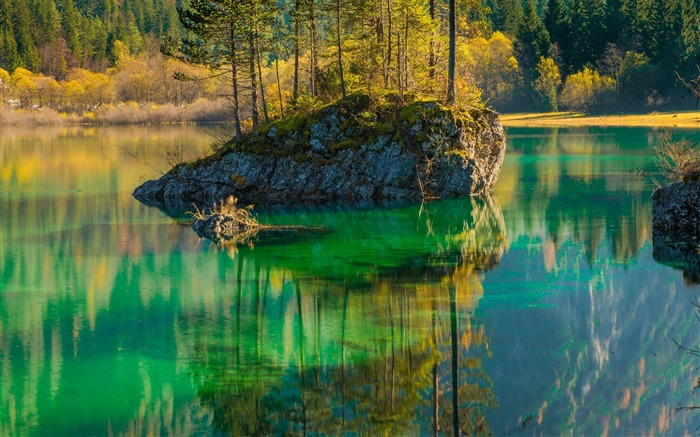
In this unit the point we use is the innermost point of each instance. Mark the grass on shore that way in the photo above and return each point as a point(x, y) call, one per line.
point(680, 119)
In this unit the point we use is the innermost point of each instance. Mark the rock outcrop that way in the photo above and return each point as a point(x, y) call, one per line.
point(356, 149)
point(676, 227)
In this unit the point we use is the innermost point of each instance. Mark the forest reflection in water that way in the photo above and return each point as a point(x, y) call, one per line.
point(115, 318)
point(371, 354)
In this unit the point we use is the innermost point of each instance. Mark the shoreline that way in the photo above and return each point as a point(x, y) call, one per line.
point(677, 119)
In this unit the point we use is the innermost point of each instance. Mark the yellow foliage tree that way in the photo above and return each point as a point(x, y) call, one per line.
point(24, 88)
point(586, 91)
point(492, 66)
point(85, 90)
point(548, 82)
point(4, 85)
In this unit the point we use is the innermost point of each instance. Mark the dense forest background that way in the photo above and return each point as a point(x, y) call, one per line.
point(102, 57)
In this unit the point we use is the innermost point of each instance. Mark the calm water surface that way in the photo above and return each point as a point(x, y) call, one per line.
point(541, 303)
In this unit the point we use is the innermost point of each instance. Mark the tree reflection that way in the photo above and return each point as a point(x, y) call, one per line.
point(395, 353)
point(96, 290)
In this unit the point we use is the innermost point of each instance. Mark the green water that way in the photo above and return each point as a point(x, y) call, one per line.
point(542, 301)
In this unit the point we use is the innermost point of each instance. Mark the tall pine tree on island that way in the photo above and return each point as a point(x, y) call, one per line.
point(215, 31)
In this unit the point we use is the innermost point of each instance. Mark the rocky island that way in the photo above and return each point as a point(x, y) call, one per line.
point(676, 227)
point(359, 148)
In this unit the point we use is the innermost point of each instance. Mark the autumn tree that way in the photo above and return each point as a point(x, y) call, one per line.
point(547, 83)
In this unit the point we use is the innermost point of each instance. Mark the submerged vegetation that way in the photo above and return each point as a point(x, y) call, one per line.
point(226, 221)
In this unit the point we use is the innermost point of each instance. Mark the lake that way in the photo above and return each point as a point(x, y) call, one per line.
point(542, 303)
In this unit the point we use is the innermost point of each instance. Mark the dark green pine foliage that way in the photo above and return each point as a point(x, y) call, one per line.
point(662, 26)
point(556, 21)
point(613, 20)
point(22, 24)
point(506, 15)
point(598, 31)
point(498, 14)
point(41, 34)
point(70, 22)
point(47, 19)
point(9, 56)
point(580, 35)
point(690, 30)
point(631, 24)
point(532, 42)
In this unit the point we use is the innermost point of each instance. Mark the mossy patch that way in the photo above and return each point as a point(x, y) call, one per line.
point(351, 143)
point(289, 124)
point(238, 180)
point(363, 119)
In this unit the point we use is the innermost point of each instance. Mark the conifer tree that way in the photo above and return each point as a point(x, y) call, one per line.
point(613, 20)
point(22, 24)
point(532, 43)
point(215, 33)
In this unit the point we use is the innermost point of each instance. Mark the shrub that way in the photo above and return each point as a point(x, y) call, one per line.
point(587, 91)
point(678, 160)
point(34, 117)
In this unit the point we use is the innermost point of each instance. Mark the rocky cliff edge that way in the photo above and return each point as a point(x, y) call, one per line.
point(359, 148)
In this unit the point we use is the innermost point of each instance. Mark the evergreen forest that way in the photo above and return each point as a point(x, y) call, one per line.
point(269, 56)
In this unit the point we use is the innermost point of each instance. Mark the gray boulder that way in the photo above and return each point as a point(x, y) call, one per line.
point(354, 150)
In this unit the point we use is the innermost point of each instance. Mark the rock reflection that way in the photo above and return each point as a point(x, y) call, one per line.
point(296, 354)
point(684, 256)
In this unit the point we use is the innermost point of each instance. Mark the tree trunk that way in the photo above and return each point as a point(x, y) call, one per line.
point(398, 65)
point(277, 70)
point(295, 89)
point(436, 386)
point(451, 88)
point(432, 62)
point(455, 358)
point(380, 41)
point(234, 81)
point(340, 48)
point(253, 80)
point(262, 90)
point(388, 47)
point(405, 53)
point(313, 67)
point(302, 367)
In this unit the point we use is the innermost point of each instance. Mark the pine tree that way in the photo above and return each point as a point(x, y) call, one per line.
point(630, 17)
point(690, 30)
point(9, 56)
point(70, 23)
point(597, 29)
point(22, 24)
point(513, 16)
point(215, 28)
point(580, 35)
point(556, 21)
point(613, 20)
point(532, 43)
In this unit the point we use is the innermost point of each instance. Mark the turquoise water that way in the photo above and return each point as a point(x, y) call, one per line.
point(543, 301)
